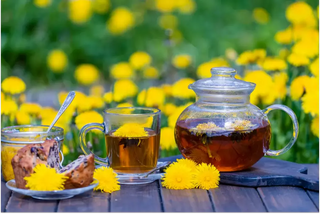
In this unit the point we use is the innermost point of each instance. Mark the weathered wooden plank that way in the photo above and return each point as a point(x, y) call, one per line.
point(193, 200)
point(5, 195)
point(87, 202)
point(314, 197)
point(286, 199)
point(21, 203)
point(136, 198)
point(236, 199)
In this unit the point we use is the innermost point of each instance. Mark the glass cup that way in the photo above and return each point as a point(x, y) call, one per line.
point(132, 137)
point(14, 138)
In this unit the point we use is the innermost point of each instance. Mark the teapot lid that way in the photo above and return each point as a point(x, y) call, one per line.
point(222, 81)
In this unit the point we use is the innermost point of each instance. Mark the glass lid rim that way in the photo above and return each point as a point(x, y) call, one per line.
point(58, 130)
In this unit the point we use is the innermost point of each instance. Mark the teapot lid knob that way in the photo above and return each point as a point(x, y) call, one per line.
point(223, 71)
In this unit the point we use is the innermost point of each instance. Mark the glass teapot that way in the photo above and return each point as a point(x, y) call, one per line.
point(223, 128)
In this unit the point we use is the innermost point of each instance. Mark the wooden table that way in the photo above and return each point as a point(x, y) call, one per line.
point(155, 198)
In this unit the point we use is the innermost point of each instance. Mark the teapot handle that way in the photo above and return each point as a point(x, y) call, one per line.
point(295, 129)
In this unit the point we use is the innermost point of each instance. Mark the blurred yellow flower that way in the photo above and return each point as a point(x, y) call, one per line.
point(23, 118)
point(300, 13)
point(168, 108)
point(152, 97)
point(13, 85)
point(284, 53)
point(8, 107)
point(97, 90)
point(2, 96)
point(203, 71)
point(122, 70)
point(172, 119)
point(47, 111)
point(65, 149)
point(280, 84)
point(274, 64)
point(306, 47)
point(140, 59)
point(96, 101)
point(167, 141)
point(168, 21)
point(124, 105)
point(298, 86)
point(264, 90)
point(167, 89)
point(121, 20)
point(150, 73)
point(165, 6)
point(314, 67)
point(80, 11)
point(298, 60)
point(315, 126)
point(101, 6)
point(108, 97)
point(22, 98)
point(249, 57)
point(42, 3)
point(123, 89)
point(180, 89)
point(88, 117)
point(185, 6)
point(63, 121)
point(284, 36)
point(86, 74)
point(310, 102)
point(231, 54)
point(181, 61)
point(57, 60)
point(31, 108)
point(260, 15)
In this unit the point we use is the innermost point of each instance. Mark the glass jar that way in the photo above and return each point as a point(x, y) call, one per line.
point(223, 128)
point(14, 138)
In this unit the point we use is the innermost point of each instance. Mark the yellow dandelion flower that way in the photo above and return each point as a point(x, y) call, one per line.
point(124, 105)
point(153, 97)
point(97, 90)
point(180, 89)
point(315, 126)
point(178, 176)
point(300, 13)
point(298, 60)
point(280, 84)
point(13, 85)
point(284, 36)
point(284, 53)
point(150, 73)
point(167, 89)
point(8, 107)
point(96, 102)
point(2, 96)
point(314, 67)
point(274, 64)
point(140, 59)
point(186, 6)
point(57, 61)
point(23, 118)
point(168, 21)
point(80, 11)
point(168, 108)
point(306, 47)
point(245, 58)
point(122, 70)
point(42, 3)
point(310, 102)
point(65, 149)
point(53, 180)
point(107, 178)
point(31, 108)
point(298, 87)
point(165, 6)
point(131, 130)
point(260, 15)
point(237, 76)
point(167, 141)
point(189, 163)
point(121, 20)
point(108, 97)
point(203, 70)
point(88, 117)
point(86, 74)
point(124, 89)
point(101, 6)
point(172, 119)
point(181, 61)
point(206, 176)
point(231, 54)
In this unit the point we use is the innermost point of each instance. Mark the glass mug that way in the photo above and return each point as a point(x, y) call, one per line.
point(14, 138)
point(132, 137)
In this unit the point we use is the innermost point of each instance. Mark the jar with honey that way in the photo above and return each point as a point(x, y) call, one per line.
point(223, 128)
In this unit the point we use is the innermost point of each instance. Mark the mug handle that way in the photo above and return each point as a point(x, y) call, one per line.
point(83, 143)
point(295, 129)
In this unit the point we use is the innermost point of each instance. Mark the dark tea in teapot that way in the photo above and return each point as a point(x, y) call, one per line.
point(229, 146)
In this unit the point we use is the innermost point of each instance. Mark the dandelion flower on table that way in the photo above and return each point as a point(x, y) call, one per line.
point(122, 70)
point(8, 107)
point(189, 163)
point(140, 59)
point(180, 89)
point(124, 89)
point(108, 97)
point(167, 141)
point(298, 86)
point(57, 61)
point(121, 20)
point(86, 74)
point(88, 117)
point(206, 176)
point(168, 21)
point(182, 61)
point(101, 6)
point(260, 15)
point(53, 180)
point(80, 11)
point(22, 118)
point(315, 126)
point(107, 178)
point(97, 90)
point(42, 3)
point(298, 60)
point(314, 67)
point(150, 73)
point(13, 85)
point(178, 176)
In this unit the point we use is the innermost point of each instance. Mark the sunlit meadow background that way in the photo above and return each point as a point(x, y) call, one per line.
point(147, 52)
